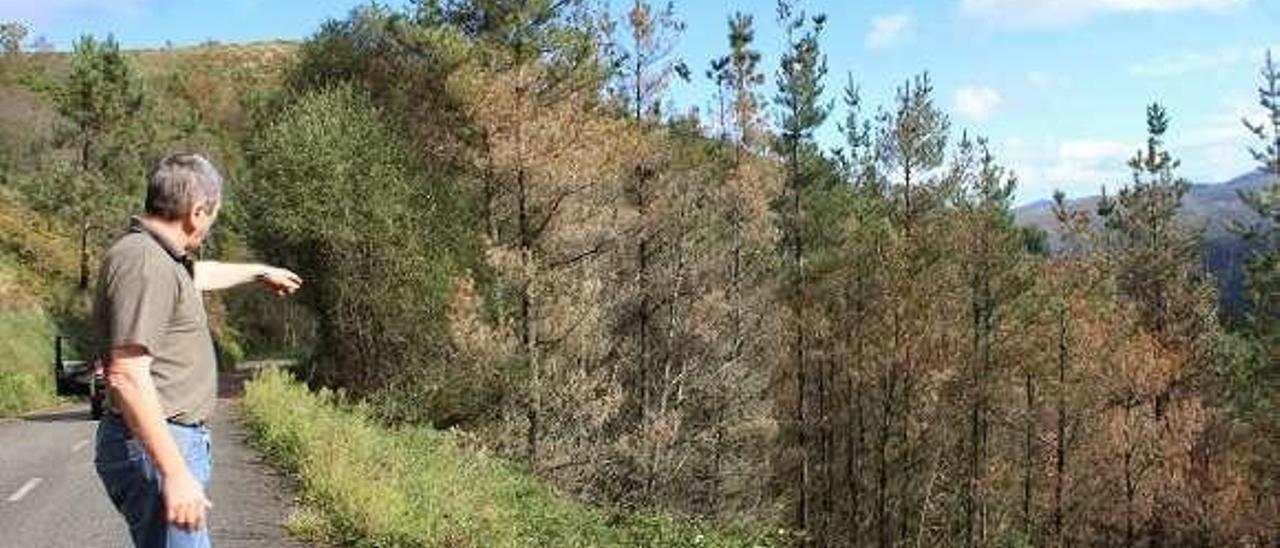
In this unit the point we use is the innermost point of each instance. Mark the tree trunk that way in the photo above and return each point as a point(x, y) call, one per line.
point(1060, 450)
point(84, 256)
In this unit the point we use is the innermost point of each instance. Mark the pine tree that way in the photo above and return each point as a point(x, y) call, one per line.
point(858, 156)
point(103, 97)
point(1149, 241)
point(1155, 260)
point(648, 63)
point(909, 149)
point(1264, 267)
point(801, 111)
point(991, 255)
point(545, 59)
point(739, 75)
point(912, 140)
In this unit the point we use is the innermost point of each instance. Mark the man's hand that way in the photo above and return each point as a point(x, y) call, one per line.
point(185, 503)
point(279, 280)
point(129, 379)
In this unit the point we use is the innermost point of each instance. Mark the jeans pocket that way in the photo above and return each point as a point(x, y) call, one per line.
point(133, 487)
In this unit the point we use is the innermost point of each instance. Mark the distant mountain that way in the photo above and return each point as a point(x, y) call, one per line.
point(1213, 207)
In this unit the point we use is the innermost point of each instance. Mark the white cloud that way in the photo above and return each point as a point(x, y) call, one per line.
point(1212, 145)
point(1188, 62)
point(977, 103)
point(48, 12)
point(1062, 12)
point(1078, 167)
point(1216, 148)
point(887, 30)
point(1093, 151)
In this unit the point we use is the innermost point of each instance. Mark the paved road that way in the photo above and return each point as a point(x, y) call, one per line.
point(50, 495)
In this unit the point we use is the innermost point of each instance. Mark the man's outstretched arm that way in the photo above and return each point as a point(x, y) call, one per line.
point(213, 276)
point(134, 393)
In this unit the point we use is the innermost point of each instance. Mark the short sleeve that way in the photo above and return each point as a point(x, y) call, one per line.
point(140, 296)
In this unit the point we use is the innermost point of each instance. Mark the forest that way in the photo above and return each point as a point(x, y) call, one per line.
point(506, 231)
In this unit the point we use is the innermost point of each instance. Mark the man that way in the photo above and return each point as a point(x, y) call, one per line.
point(153, 444)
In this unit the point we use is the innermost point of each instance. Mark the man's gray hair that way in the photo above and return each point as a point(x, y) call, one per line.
point(181, 182)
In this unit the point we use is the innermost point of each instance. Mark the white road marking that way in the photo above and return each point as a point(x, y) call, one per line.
point(79, 445)
point(26, 488)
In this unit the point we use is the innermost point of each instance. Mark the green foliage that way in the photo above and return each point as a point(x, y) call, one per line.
point(555, 31)
point(1241, 364)
point(1155, 254)
point(230, 351)
point(800, 73)
point(101, 97)
point(37, 265)
point(362, 484)
point(911, 141)
point(738, 75)
point(26, 344)
point(337, 194)
point(377, 48)
point(1263, 278)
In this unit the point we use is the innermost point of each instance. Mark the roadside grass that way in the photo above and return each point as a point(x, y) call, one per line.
point(26, 347)
point(364, 484)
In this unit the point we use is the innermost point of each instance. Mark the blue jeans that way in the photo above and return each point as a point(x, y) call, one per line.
point(134, 483)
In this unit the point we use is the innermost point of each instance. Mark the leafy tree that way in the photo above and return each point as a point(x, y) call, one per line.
point(338, 194)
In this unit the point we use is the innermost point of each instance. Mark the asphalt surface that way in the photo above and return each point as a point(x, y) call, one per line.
point(50, 495)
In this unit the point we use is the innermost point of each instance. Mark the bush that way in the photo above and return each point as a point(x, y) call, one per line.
point(362, 484)
point(338, 194)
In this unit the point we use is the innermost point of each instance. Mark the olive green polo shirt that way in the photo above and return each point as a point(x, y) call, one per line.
point(146, 297)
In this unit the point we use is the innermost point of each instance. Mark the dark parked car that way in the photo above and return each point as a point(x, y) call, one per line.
point(81, 378)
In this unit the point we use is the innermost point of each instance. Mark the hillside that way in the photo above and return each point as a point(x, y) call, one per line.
point(1213, 207)
point(197, 99)
point(36, 265)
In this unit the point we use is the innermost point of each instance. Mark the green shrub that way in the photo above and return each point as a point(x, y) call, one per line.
point(363, 484)
point(339, 195)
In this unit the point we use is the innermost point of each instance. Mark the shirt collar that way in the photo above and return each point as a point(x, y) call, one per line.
point(136, 224)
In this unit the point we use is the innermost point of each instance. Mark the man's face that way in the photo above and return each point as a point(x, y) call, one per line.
point(199, 222)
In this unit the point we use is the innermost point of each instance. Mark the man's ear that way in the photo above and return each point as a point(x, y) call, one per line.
point(190, 219)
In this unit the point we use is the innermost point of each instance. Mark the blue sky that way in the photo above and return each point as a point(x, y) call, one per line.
point(1058, 86)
